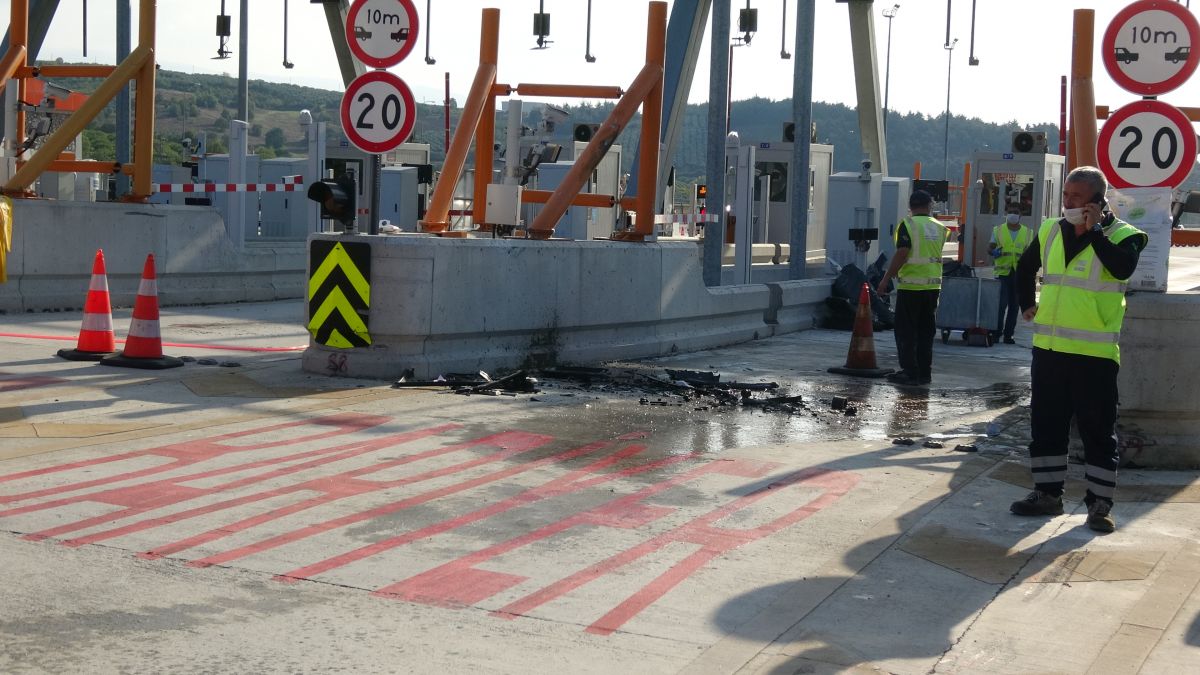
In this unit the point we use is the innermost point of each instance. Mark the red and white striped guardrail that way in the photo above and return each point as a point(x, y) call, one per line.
point(288, 185)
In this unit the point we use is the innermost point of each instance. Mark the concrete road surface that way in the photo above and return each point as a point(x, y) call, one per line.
point(239, 515)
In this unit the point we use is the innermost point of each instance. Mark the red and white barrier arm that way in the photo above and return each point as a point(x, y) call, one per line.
point(288, 185)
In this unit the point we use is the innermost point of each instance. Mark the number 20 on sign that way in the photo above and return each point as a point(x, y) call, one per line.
point(378, 112)
point(1147, 144)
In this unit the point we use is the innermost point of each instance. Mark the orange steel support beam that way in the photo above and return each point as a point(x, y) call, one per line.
point(589, 159)
point(143, 132)
point(485, 133)
point(916, 171)
point(962, 206)
point(76, 123)
point(18, 39)
point(656, 50)
point(54, 70)
point(571, 90)
point(582, 199)
point(13, 62)
point(89, 166)
point(1193, 114)
point(438, 214)
point(1082, 150)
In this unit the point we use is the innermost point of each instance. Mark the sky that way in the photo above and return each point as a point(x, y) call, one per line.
point(1023, 48)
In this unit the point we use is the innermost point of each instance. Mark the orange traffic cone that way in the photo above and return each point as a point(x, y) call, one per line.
point(861, 358)
point(143, 345)
point(96, 339)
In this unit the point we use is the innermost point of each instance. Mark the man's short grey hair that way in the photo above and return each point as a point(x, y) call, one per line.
point(1090, 175)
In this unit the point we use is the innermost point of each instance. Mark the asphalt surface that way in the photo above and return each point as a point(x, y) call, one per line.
point(239, 515)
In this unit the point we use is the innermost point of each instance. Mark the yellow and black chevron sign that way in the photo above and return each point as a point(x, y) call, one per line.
point(339, 293)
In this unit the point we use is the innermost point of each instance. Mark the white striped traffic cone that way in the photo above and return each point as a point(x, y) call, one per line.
point(143, 344)
point(96, 339)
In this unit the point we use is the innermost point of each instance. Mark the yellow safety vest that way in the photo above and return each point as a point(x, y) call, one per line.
point(1082, 306)
point(1011, 247)
point(923, 269)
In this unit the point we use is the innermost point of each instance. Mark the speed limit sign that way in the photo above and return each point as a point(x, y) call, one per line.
point(1147, 144)
point(378, 111)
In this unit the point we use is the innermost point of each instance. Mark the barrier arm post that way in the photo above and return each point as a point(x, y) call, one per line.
point(962, 211)
point(438, 214)
point(648, 197)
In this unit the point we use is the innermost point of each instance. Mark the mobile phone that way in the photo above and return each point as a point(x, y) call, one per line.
point(1099, 200)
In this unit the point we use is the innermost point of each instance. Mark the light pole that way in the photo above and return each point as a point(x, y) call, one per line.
point(888, 14)
point(946, 143)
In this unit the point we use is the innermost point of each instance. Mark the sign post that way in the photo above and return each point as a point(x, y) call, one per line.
point(378, 109)
point(1149, 47)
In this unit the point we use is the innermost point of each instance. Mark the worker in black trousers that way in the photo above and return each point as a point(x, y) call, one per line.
point(1086, 259)
point(917, 267)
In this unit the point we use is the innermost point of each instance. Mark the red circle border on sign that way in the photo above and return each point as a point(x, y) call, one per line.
point(405, 49)
point(1166, 110)
point(1108, 44)
point(405, 129)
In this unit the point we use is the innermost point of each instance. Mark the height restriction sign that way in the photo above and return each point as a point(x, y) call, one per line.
point(378, 112)
point(1148, 46)
point(381, 32)
point(1147, 144)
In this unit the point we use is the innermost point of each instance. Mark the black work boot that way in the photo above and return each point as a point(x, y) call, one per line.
point(1038, 503)
point(1099, 517)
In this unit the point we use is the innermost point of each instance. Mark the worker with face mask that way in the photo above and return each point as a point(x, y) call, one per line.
point(1086, 259)
point(1009, 241)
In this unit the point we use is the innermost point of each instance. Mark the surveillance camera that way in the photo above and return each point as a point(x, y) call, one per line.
point(305, 118)
point(866, 165)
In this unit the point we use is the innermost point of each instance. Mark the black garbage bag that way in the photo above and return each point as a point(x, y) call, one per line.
point(953, 268)
point(848, 286)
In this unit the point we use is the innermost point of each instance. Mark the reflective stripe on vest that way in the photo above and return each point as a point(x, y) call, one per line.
point(1011, 247)
point(1082, 306)
point(922, 271)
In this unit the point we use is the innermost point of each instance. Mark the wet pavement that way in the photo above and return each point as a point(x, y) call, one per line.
point(254, 518)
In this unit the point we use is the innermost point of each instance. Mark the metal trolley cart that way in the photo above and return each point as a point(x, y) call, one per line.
point(971, 305)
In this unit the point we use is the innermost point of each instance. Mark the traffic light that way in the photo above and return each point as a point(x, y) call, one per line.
point(701, 191)
point(337, 197)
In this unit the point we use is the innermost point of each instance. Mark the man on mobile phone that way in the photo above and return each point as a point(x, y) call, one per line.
point(1086, 258)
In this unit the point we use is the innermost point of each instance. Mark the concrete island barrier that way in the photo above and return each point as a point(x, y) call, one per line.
point(1159, 416)
point(54, 243)
point(463, 305)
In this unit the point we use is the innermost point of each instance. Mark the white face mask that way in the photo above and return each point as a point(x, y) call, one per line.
point(1013, 218)
point(1074, 216)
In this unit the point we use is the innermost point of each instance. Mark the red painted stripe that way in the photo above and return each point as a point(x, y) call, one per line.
point(181, 345)
point(531, 442)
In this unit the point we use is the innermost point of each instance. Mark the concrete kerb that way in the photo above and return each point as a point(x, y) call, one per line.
point(442, 305)
point(54, 242)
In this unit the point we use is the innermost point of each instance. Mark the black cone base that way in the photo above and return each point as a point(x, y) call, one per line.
point(123, 361)
point(76, 355)
point(863, 372)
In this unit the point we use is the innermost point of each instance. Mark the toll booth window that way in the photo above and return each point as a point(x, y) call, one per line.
point(778, 171)
point(997, 190)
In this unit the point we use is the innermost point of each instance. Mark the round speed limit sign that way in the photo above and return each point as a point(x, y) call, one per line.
point(1147, 144)
point(378, 112)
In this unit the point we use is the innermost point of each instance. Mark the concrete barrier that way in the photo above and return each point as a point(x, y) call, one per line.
point(462, 305)
point(1159, 416)
point(54, 243)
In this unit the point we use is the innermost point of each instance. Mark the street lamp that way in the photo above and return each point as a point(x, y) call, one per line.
point(888, 14)
point(946, 143)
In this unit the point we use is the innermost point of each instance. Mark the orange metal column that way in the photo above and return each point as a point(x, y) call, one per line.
point(143, 136)
point(485, 135)
point(656, 40)
point(1083, 97)
point(962, 210)
point(19, 39)
point(436, 217)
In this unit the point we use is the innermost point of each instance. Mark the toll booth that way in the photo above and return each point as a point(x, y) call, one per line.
point(853, 231)
point(773, 196)
point(283, 216)
point(1032, 180)
point(399, 199)
point(894, 192)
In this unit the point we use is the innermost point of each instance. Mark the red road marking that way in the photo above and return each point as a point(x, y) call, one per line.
point(17, 382)
point(180, 345)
